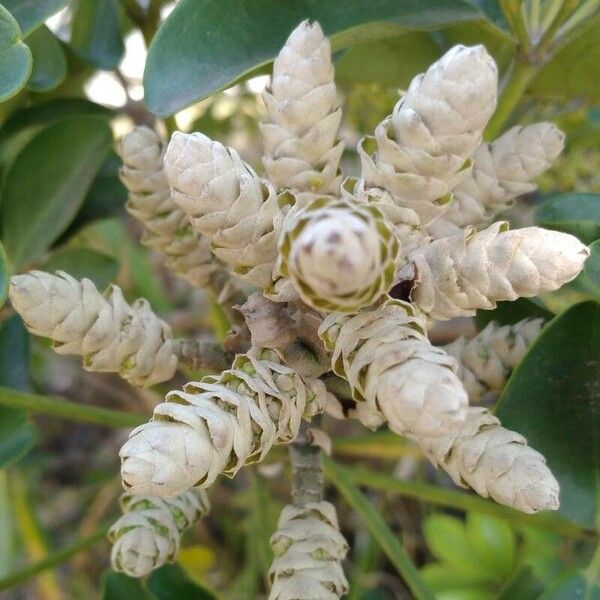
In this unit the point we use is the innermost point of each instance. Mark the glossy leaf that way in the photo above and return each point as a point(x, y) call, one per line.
point(116, 586)
point(49, 61)
point(17, 432)
point(96, 33)
point(494, 543)
point(575, 70)
point(15, 57)
point(552, 399)
point(47, 183)
point(30, 14)
point(170, 582)
point(578, 214)
point(591, 268)
point(84, 262)
point(509, 313)
point(206, 45)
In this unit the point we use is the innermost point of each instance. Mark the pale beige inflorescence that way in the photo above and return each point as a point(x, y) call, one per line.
point(385, 356)
point(496, 462)
point(340, 254)
point(301, 150)
point(487, 359)
point(309, 550)
point(502, 170)
point(110, 335)
point(219, 424)
point(238, 211)
point(473, 270)
point(148, 535)
point(166, 227)
point(423, 149)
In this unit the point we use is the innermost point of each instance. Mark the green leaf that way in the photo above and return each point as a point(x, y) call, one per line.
point(474, 593)
point(170, 582)
point(591, 268)
point(206, 45)
point(494, 543)
point(47, 183)
point(84, 262)
point(49, 61)
point(22, 126)
point(524, 585)
point(493, 11)
point(575, 70)
point(379, 530)
point(390, 63)
point(116, 586)
point(30, 14)
point(17, 432)
point(96, 33)
point(573, 584)
point(552, 399)
point(578, 214)
point(447, 540)
point(509, 313)
point(15, 57)
point(443, 577)
point(4, 276)
point(106, 197)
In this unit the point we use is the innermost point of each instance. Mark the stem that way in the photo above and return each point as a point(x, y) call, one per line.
point(378, 528)
point(206, 355)
point(520, 74)
point(567, 8)
point(66, 409)
point(53, 560)
point(513, 10)
point(307, 470)
point(460, 500)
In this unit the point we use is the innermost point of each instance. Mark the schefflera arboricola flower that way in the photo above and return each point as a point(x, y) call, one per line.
point(111, 335)
point(219, 424)
point(487, 359)
point(148, 535)
point(340, 255)
point(308, 549)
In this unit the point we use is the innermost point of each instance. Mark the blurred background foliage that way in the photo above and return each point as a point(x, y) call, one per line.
point(75, 75)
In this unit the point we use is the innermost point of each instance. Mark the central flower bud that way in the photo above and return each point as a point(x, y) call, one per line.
point(340, 255)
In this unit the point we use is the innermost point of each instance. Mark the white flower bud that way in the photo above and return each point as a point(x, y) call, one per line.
point(301, 152)
point(421, 151)
point(149, 533)
point(390, 364)
point(108, 333)
point(309, 550)
point(487, 360)
point(166, 226)
point(227, 201)
point(474, 270)
point(495, 462)
point(340, 255)
point(219, 424)
point(502, 170)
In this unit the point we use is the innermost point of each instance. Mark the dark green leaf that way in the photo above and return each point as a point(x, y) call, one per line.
point(509, 313)
point(106, 197)
point(170, 582)
point(49, 62)
point(591, 269)
point(571, 586)
point(552, 398)
point(32, 13)
point(116, 586)
point(84, 262)
point(206, 45)
point(493, 12)
point(17, 432)
point(15, 57)
point(578, 214)
point(575, 71)
point(22, 126)
point(96, 33)
point(47, 183)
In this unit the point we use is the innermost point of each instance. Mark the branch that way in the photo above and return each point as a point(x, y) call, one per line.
point(307, 469)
